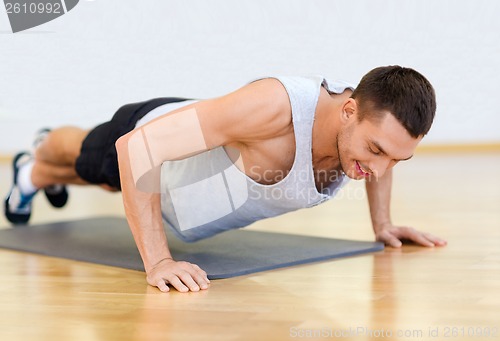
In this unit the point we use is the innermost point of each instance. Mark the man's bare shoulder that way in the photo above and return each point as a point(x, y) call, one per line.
point(256, 111)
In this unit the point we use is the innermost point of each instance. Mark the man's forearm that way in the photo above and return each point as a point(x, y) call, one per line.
point(147, 227)
point(143, 212)
point(379, 199)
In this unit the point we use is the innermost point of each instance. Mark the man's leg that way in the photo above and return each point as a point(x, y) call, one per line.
point(55, 158)
point(71, 155)
point(50, 168)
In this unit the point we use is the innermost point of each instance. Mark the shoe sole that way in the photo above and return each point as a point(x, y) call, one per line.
point(58, 200)
point(15, 218)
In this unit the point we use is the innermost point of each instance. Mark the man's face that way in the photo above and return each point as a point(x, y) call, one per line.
point(371, 147)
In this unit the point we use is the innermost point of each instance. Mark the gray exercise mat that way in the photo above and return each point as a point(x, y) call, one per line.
point(109, 241)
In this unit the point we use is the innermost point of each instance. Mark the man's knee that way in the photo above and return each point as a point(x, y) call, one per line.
point(63, 145)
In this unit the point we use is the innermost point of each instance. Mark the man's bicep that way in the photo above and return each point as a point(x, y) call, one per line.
point(173, 136)
point(250, 113)
point(254, 111)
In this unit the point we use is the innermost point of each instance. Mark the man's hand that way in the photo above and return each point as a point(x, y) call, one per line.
point(183, 276)
point(395, 235)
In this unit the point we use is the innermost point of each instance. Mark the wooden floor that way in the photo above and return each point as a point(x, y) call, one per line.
point(450, 293)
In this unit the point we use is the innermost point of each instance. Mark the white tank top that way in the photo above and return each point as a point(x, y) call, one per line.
point(207, 194)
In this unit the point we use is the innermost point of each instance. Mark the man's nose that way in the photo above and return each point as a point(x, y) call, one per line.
point(380, 166)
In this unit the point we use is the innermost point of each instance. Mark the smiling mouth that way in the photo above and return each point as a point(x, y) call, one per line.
point(361, 170)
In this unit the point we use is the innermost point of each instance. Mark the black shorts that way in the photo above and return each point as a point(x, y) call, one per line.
point(98, 161)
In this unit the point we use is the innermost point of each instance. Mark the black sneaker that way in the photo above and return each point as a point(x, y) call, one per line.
point(57, 195)
point(17, 206)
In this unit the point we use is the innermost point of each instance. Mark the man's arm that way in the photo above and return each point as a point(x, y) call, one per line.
point(256, 111)
point(143, 213)
point(379, 198)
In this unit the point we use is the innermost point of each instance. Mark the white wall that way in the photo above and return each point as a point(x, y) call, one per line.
point(81, 67)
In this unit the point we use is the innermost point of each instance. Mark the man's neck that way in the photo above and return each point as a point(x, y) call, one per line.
point(326, 127)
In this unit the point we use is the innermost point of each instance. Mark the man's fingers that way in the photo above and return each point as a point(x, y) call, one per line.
point(188, 280)
point(393, 237)
point(183, 276)
point(193, 276)
point(200, 277)
point(419, 238)
point(185, 281)
point(394, 242)
point(436, 240)
point(415, 236)
point(177, 284)
point(202, 273)
point(387, 238)
point(162, 286)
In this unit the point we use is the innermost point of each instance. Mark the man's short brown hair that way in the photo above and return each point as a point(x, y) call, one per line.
point(403, 92)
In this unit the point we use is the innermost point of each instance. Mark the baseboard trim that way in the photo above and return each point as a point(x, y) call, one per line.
point(459, 148)
point(5, 158)
point(422, 149)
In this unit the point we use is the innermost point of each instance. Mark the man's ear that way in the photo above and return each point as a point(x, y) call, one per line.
point(349, 109)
